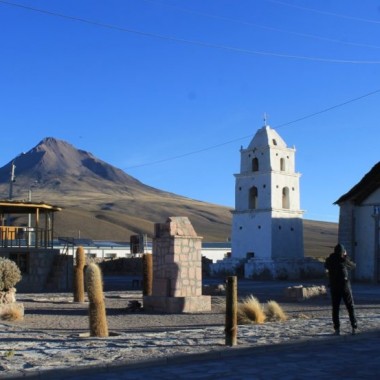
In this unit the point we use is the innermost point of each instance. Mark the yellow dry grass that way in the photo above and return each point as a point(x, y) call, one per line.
point(274, 312)
point(250, 311)
point(13, 314)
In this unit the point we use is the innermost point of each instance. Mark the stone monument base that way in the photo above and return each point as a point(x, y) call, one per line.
point(174, 305)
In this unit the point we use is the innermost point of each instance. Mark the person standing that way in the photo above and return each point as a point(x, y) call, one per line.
point(338, 265)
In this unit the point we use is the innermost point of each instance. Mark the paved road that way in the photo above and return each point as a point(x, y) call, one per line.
point(343, 357)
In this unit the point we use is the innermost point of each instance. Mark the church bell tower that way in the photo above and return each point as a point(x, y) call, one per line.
point(267, 220)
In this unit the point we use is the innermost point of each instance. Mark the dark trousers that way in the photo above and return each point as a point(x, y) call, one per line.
point(338, 294)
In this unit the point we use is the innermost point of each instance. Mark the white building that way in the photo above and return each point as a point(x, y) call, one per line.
point(359, 225)
point(267, 221)
point(111, 250)
point(267, 225)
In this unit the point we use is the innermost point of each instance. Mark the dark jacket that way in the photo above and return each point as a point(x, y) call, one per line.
point(338, 268)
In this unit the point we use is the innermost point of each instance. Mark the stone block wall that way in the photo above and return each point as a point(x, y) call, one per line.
point(39, 267)
point(177, 260)
point(177, 269)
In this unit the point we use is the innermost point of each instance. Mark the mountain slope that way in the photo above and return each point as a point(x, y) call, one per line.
point(102, 202)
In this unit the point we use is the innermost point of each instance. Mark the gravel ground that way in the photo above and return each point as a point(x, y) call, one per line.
point(54, 331)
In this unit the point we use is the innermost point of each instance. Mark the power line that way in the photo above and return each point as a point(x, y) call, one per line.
point(245, 137)
point(247, 23)
point(325, 12)
point(328, 109)
point(191, 42)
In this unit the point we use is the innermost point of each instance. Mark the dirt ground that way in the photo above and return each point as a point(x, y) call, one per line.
point(54, 333)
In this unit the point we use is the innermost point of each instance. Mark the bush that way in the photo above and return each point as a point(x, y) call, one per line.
point(10, 274)
point(13, 313)
point(250, 311)
point(274, 312)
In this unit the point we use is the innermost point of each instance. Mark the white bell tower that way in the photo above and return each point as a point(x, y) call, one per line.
point(267, 220)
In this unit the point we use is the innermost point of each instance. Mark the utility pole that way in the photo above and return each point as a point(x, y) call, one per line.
point(29, 220)
point(12, 179)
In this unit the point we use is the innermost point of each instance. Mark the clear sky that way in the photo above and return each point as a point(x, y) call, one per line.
point(169, 90)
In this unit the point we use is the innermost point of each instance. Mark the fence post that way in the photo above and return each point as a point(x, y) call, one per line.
point(231, 311)
point(147, 274)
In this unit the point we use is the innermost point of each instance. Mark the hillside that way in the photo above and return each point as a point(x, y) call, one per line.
point(102, 202)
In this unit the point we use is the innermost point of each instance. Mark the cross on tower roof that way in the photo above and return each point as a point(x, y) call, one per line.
point(265, 119)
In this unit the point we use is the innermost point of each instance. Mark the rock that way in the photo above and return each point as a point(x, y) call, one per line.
point(301, 293)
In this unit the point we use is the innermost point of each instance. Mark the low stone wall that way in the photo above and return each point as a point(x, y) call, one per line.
point(228, 267)
point(43, 269)
point(301, 293)
point(284, 269)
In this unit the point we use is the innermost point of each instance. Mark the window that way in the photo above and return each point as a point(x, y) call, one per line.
point(285, 197)
point(252, 198)
point(282, 164)
point(250, 255)
point(255, 164)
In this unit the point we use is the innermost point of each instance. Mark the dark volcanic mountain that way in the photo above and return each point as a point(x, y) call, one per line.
point(102, 202)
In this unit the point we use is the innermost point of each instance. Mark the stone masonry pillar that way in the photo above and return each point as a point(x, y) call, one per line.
point(177, 269)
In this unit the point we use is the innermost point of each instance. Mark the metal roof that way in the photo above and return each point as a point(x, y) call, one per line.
point(367, 185)
point(20, 207)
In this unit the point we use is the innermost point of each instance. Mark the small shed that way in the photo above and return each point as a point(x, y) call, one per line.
point(359, 231)
point(26, 237)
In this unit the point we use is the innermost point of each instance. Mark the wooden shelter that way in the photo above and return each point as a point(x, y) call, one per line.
point(39, 231)
point(26, 237)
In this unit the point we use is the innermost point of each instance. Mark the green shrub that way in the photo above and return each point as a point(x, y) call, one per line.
point(10, 274)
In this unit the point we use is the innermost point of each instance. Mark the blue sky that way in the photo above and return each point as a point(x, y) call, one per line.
point(169, 90)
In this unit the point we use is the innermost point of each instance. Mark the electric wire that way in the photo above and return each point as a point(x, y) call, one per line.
point(247, 23)
point(250, 136)
point(370, 21)
point(194, 42)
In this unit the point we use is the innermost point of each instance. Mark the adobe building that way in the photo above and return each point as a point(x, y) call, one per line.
point(359, 225)
point(43, 268)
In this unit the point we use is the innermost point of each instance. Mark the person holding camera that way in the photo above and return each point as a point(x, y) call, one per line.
point(338, 265)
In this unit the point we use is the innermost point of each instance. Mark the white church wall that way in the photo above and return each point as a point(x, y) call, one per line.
point(365, 231)
point(243, 186)
point(287, 238)
point(251, 234)
point(357, 233)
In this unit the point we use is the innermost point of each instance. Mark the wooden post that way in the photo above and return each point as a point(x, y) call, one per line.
point(147, 274)
point(231, 311)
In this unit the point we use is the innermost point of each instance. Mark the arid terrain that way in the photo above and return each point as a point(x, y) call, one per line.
point(54, 333)
point(101, 202)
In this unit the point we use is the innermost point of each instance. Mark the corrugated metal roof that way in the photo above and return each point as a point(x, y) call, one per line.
point(20, 207)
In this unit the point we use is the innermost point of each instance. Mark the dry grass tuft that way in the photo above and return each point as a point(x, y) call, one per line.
point(250, 311)
point(13, 314)
point(274, 312)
